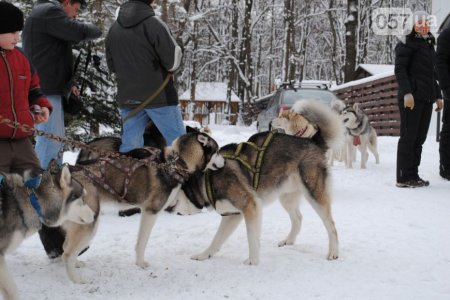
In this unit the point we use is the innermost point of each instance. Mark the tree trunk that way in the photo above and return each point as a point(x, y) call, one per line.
point(231, 68)
point(245, 55)
point(351, 40)
point(333, 53)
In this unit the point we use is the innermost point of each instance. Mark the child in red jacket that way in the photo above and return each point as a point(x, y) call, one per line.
point(20, 96)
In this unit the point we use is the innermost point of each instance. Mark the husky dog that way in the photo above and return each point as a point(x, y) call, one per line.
point(359, 134)
point(53, 238)
point(23, 208)
point(306, 118)
point(270, 165)
point(150, 187)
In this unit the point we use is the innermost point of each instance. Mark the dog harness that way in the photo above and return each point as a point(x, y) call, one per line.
point(32, 184)
point(1, 181)
point(256, 169)
point(173, 166)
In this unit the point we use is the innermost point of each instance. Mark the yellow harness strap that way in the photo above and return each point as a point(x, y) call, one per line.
point(256, 170)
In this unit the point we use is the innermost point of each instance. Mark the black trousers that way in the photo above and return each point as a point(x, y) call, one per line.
point(444, 141)
point(413, 133)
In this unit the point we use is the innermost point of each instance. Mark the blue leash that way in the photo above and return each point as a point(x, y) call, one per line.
point(32, 184)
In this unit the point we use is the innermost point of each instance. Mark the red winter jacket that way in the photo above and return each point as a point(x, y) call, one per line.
point(19, 89)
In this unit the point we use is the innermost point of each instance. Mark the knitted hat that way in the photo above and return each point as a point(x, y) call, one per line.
point(11, 18)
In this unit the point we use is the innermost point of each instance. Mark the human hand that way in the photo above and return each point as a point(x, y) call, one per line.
point(42, 116)
point(409, 101)
point(74, 90)
point(439, 105)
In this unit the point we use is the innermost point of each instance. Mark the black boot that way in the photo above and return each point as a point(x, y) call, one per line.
point(129, 212)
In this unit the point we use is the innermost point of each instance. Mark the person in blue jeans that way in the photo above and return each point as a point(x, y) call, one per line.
point(138, 33)
point(48, 35)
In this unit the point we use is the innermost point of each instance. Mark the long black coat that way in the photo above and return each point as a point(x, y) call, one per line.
point(415, 62)
point(443, 62)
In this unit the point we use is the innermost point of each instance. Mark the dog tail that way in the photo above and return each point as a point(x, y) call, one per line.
point(330, 125)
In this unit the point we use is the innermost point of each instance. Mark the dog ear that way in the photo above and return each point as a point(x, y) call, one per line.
point(203, 139)
point(65, 178)
point(356, 106)
point(190, 129)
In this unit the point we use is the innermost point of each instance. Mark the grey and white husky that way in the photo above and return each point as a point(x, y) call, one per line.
point(268, 166)
point(359, 135)
point(52, 200)
point(151, 188)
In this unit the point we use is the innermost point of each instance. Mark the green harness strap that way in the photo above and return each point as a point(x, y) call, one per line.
point(256, 170)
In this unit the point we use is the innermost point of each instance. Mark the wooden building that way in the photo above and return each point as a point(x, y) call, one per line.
point(210, 105)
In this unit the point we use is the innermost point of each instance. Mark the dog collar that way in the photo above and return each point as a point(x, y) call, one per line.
point(1, 180)
point(301, 132)
point(32, 184)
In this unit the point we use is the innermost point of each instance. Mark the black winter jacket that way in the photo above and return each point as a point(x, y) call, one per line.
point(415, 62)
point(47, 40)
point(443, 62)
point(141, 51)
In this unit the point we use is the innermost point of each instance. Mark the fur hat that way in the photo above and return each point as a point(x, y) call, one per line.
point(11, 18)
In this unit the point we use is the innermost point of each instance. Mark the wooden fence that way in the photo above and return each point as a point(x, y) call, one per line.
point(378, 99)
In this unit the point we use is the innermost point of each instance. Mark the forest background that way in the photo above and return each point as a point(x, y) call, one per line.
point(249, 44)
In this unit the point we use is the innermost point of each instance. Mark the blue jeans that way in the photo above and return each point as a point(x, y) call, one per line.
point(46, 149)
point(167, 119)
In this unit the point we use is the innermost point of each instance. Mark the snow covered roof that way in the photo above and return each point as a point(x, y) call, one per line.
point(375, 69)
point(364, 80)
point(210, 91)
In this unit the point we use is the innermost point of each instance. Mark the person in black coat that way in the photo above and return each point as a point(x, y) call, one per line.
point(418, 89)
point(443, 69)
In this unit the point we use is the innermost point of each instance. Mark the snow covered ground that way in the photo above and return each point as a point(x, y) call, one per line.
point(394, 244)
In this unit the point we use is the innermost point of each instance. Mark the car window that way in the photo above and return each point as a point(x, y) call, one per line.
point(262, 102)
point(291, 96)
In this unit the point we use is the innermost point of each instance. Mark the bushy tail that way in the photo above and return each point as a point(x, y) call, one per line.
point(330, 125)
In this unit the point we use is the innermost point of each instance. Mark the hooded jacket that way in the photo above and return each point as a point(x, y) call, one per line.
point(443, 62)
point(19, 90)
point(415, 62)
point(141, 51)
point(47, 40)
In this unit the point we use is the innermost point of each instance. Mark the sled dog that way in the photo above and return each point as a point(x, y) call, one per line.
point(151, 187)
point(306, 118)
point(50, 199)
point(268, 166)
point(359, 134)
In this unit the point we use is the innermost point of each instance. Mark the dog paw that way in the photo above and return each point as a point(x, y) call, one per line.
point(285, 242)
point(201, 256)
point(76, 278)
point(143, 264)
point(333, 256)
point(251, 261)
